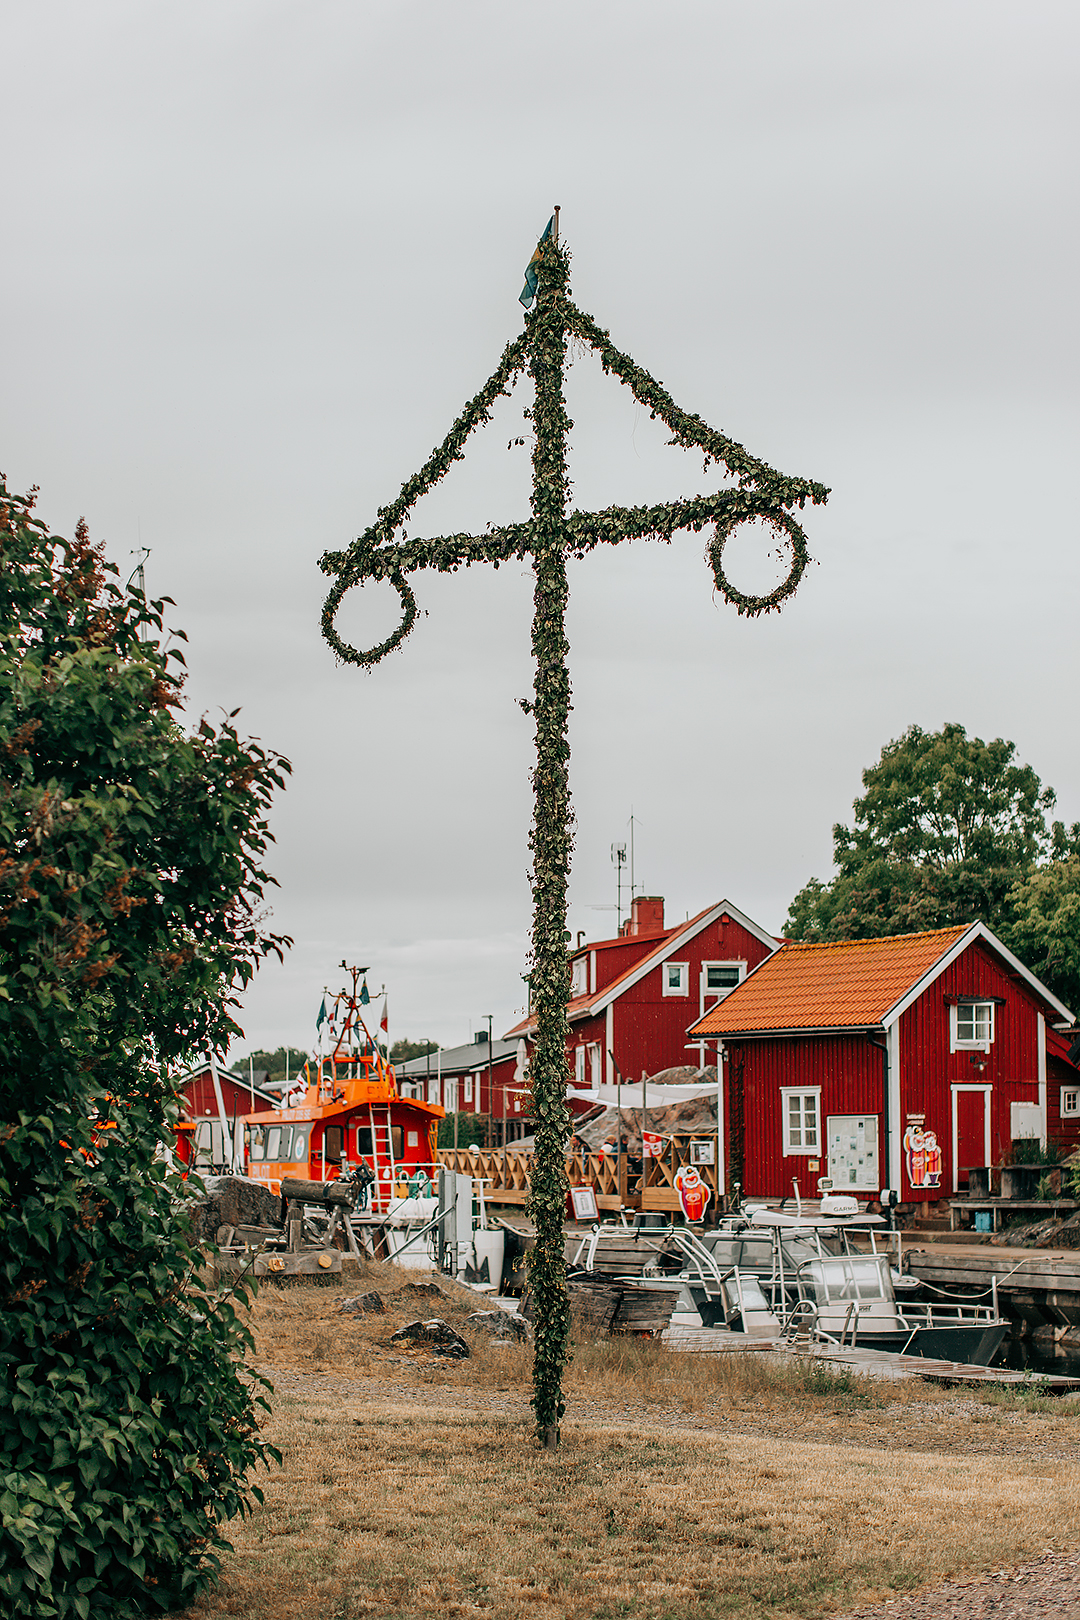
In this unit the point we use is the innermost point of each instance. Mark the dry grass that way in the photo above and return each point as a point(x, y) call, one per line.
point(386, 1512)
point(304, 1330)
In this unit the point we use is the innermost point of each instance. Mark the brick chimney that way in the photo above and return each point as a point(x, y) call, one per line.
point(646, 915)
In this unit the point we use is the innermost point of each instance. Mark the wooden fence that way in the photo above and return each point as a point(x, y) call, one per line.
point(618, 1183)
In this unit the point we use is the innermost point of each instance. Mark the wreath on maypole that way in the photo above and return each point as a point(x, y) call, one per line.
point(551, 535)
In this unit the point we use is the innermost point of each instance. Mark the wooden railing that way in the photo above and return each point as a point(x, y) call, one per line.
point(617, 1183)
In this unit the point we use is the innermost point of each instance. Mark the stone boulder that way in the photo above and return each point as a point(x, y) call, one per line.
point(438, 1334)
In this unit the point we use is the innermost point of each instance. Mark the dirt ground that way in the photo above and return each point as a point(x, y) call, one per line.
point(686, 1487)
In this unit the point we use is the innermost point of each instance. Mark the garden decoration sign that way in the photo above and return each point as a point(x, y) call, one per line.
point(553, 534)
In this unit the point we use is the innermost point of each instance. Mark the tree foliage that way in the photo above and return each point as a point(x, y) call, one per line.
point(951, 829)
point(130, 888)
point(404, 1051)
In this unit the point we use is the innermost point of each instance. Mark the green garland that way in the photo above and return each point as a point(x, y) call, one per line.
point(552, 534)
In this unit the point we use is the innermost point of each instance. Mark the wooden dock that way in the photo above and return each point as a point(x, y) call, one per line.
point(871, 1363)
point(1017, 1270)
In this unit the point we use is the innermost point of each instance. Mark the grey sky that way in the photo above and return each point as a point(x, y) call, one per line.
point(258, 255)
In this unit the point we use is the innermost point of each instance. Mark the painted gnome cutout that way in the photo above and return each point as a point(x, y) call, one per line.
point(547, 539)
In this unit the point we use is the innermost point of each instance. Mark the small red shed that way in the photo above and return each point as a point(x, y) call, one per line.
point(901, 1062)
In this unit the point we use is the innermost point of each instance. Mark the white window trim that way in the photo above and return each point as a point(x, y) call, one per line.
point(579, 1066)
point(579, 976)
point(814, 1152)
point(957, 1045)
point(684, 972)
point(1074, 1091)
point(468, 1088)
point(712, 995)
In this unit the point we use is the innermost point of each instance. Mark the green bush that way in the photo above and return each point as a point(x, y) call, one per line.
point(130, 882)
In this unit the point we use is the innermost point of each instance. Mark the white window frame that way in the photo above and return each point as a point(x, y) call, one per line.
point(1070, 1101)
point(450, 1096)
point(712, 996)
point(596, 1073)
point(579, 1066)
point(683, 988)
point(958, 1045)
point(468, 1089)
point(579, 976)
point(806, 1150)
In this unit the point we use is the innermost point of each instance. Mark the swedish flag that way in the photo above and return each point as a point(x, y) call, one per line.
point(528, 292)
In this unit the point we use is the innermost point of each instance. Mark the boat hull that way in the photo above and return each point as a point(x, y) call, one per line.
point(970, 1344)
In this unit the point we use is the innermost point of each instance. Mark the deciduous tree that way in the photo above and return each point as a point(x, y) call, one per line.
point(131, 883)
point(951, 829)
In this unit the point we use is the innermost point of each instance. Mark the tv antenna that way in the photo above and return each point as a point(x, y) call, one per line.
point(618, 858)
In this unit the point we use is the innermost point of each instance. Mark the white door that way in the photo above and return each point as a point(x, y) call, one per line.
point(853, 1151)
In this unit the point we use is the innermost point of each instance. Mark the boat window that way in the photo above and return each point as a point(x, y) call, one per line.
point(726, 1251)
point(363, 1141)
point(299, 1146)
point(273, 1142)
point(796, 1250)
point(757, 1252)
point(257, 1141)
point(397, 1135)
point(846, 1278)
point(332, 1147)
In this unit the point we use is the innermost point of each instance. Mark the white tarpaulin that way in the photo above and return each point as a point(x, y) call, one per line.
point(630, 1096)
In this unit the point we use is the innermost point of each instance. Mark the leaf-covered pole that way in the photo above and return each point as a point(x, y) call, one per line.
point(551, 536)
point(550, 842)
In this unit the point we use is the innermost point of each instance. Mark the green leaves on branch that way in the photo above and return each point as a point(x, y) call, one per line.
point(131, 885)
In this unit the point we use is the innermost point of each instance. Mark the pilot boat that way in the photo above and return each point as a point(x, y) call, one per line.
point(345, 1117)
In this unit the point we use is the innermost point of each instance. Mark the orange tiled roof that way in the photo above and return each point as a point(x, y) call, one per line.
point(847, 985)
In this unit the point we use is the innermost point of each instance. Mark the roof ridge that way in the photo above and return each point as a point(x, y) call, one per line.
point(875, 939)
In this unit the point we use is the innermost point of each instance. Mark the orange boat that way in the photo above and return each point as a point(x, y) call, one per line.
point(345, 1117)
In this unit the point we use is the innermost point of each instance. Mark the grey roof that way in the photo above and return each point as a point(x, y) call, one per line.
point(455, 1060)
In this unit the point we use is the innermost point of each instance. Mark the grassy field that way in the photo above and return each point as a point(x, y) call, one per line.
point(685, 1487)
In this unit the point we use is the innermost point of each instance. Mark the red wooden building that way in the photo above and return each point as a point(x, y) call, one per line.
point(633, 996)
point(470, 1079)
point(901, 1062)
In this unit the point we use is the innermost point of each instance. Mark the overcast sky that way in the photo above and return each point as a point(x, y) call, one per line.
point(258, 255)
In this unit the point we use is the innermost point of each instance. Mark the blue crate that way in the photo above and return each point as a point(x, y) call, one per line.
point(984, 1220)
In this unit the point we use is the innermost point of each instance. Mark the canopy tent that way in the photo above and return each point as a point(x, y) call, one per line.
point(636, 1096)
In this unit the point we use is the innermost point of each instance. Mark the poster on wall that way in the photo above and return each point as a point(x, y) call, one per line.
point(694, 1195)
point(702, 1152)
point(652, 1146)
point(922, 1156)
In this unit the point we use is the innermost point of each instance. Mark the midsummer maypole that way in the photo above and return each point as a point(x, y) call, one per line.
point(552, 535)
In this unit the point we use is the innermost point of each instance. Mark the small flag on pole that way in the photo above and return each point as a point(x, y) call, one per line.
point(321, 1020)
point(528, 292)
point(384, 1024)
point(364, 997)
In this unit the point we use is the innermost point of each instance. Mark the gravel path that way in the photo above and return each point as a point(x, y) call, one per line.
point(950, 1425)
point(1048, 1586)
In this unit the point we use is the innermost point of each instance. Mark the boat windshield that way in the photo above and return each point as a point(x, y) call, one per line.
point(861, 1277)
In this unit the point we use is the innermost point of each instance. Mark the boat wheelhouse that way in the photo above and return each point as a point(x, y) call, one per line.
point(345, 1117)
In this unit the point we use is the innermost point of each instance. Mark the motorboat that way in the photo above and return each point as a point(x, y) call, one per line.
point(799, 1278)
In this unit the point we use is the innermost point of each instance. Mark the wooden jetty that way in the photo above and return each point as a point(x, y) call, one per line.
point(1038, 1287)
point(871, 1363)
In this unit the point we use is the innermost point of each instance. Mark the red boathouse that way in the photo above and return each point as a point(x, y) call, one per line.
point(901, 1062)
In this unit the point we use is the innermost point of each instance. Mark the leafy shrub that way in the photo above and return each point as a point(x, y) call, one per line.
point(130, 879)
